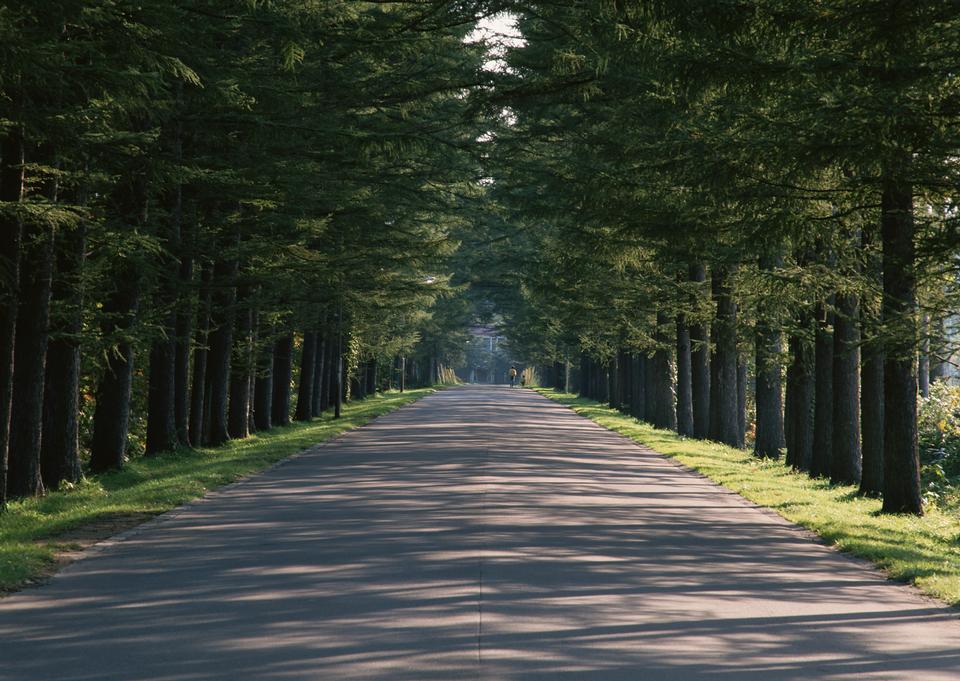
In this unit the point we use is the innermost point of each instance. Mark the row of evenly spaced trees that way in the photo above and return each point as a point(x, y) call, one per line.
point(726, 204)
point(216, 216)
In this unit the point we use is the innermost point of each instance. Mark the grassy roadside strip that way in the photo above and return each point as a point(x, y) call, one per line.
point(34, 533)
point(923, 551)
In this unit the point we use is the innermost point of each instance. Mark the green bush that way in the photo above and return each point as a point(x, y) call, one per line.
point(939, 434)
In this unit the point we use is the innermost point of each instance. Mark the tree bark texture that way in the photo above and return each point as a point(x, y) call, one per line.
point(770, 438)
point(638, 402)
point(111, 417)
point(11, 191)
point(726, 411)
point(800, 395)
point(308, 365)
point(221, 349)
point(700, 367)
point(282, 373)
point(241, 369)
point(901, 469)
point(684, 380)
point(845, 455)
point(30, 353)
point(198, 395)
point(871, 375)
point(263, 383)
point(823, 391)
point(60, 450)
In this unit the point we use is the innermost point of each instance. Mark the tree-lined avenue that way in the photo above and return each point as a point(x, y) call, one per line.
point(479, 533)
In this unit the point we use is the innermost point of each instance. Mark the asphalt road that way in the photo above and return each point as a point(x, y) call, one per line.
point(481, 533)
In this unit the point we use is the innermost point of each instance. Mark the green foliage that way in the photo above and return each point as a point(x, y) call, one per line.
point(939, 432)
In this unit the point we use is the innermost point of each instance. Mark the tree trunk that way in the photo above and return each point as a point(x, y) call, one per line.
point(185, 316)
point(221, 349)
point(282, 373)
point(665, 408)
point(615, 394)
point(59, 450)
point(800, 391)
point(316, 402)
point(725, 396)
point(308, 365)
point(161, 392)
point(263, 384)
point(901, 469)
point(770, 437)
point(845, 456)
point(638, 402)
point(241, 369)
point(111, 417)
point(11, 191)
point(684, 380)
point(871, 418)
point(823, 392)
point(871, 377)
point(26, 420)
point(700, 367)
point(198, 396)
point(741, 401)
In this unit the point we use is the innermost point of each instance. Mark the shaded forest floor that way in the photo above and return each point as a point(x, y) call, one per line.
point(40, 536)
point(923, 551)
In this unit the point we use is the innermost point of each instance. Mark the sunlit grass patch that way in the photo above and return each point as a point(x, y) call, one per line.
point(924, 551)
point(34, 531)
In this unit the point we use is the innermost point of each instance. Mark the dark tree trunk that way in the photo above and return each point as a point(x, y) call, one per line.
point(161, 390)
point(725, 396)
point(684, 380)
point(185, 315)
point(11, 191)
point(845, 457)
point(741, 401)
point(638, 401)
point(161, 393)
point(823, 392)
point(111, 417)
point(318, 368)
point(308, 365)
point(800, 392)
point(282, 373)
point(665, 408)
point(26, 420)
point(626, 386)
point(871, 377)
point(901, 469)
point(615, 395)
point(198, 395)
point(263, 384)
point(326, 377)
point(372, 377)
point(699, 367)
point(60, 451)
point(221, 349)
point(871, 418)
point(770, 437)
point(241, 370)
point(650, 389)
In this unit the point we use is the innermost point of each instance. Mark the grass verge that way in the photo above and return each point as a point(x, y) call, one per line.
point(37, 535)
point(922, 551)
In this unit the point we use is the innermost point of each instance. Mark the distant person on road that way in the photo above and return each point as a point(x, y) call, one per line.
point(513, 376)
point(523, 380)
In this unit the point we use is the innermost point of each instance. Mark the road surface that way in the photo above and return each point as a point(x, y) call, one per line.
point(481, 533)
